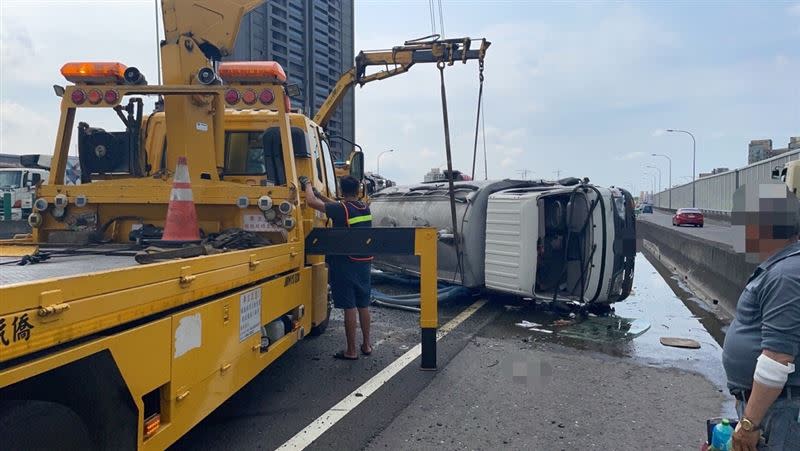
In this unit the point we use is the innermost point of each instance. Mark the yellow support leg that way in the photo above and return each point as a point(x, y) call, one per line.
point(425, 248)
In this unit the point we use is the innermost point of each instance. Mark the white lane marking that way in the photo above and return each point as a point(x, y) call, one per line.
point(318, 427)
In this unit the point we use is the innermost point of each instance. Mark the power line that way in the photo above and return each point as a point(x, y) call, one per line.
point(441, 19)
point(483, 131)
point(432, 14)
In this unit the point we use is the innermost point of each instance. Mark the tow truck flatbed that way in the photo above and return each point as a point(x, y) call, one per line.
point(62, 265)
point(67, 298)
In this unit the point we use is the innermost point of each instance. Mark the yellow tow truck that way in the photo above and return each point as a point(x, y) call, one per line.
point(112, 338)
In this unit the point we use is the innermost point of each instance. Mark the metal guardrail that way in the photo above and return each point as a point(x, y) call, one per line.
point(714, 194)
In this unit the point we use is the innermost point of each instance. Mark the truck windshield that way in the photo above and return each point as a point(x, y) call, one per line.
point(10, 179)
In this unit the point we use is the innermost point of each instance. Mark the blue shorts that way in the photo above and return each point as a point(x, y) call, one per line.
point(351, 286)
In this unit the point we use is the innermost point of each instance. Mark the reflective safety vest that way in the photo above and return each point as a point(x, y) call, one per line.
point(357, 214)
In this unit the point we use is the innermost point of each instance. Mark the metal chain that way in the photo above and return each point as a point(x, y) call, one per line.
point(477, 117)
point(451, 187)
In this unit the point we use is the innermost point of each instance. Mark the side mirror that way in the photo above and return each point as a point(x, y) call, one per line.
point(357, 165)
point(293, 90)
point(59, 90)
point(34, 179)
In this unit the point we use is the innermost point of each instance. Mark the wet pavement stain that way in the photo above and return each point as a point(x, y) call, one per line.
point(658, 299)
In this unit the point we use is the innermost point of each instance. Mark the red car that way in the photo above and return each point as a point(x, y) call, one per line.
point(691, 216)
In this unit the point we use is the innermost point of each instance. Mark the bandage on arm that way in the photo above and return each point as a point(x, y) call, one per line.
point(772, 373)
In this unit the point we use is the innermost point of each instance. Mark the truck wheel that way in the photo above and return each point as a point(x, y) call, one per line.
point(42, 425)
point(319, 329)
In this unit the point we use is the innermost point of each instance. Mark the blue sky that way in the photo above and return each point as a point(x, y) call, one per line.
point(581, 87)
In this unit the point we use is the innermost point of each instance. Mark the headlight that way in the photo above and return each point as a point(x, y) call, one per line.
point(619, 207)
point(616, 286)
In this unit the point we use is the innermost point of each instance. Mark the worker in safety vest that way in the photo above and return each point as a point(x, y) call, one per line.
point(349, 275)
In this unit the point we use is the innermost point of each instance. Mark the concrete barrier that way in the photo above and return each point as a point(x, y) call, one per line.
point(711, 268)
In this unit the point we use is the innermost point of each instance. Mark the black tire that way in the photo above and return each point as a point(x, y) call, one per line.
point(701, 226)
point(319, 329)
point(40, 425)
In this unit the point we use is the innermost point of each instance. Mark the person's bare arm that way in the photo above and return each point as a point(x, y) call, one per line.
point(761, 399)
point(762, 396)
point(312, 200)
point(323, 197)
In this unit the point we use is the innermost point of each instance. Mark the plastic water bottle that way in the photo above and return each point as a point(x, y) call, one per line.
point(721, 437)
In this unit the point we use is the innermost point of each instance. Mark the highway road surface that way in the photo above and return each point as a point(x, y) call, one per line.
point(713, 230)
point(499, 385)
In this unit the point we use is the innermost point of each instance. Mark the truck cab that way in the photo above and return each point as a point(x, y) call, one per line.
point(17, 185)
point(252, 155)
point(566, 242)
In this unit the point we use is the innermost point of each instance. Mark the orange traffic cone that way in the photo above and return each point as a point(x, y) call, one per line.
point(181, 224)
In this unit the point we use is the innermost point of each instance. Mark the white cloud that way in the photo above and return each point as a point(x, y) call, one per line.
point(630, 156)
point(23, 130)
point(658, 132)
point(794, 9)
point(426, 153)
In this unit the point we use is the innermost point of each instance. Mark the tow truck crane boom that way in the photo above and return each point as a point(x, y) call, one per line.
point(425, 50)
point(197, 33)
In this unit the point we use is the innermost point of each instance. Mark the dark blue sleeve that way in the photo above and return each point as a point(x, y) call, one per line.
point(780, 312)
point(335, 213)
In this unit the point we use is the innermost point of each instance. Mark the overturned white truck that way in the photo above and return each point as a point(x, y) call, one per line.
point(555, 241)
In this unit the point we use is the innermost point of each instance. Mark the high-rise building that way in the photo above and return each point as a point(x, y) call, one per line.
point(761, 149)
point(314, 42)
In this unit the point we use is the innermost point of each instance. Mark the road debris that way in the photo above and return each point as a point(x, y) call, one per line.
point(527, 324)
point(677, 342)
point(544, 331)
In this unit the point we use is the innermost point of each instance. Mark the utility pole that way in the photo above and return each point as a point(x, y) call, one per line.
point(524, 173)
point(659, 175)
point(557, 172)
point(694, 154)
point(670, 176)
point(379, 159)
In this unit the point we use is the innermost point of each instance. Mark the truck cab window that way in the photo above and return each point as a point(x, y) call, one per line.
point(328, 163)
point(254, 153)
point(10, 179)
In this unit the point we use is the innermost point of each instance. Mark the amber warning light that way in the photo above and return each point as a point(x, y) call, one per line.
point(251, 72)
point(151, 425)
point(94, 73)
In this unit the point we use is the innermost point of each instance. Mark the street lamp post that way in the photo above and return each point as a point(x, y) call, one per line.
point(694, 160)
point(652, 179)
point(379, 159)
point(670, 175)
point(659, 175)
